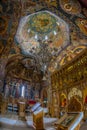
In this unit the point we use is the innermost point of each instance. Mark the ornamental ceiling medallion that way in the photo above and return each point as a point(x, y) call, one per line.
point(42, 33)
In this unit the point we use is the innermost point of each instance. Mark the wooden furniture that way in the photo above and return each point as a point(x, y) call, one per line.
point(4, 106)
point(12, 105)
point(38, 119)
point(55, 104)
point(70, 121)
point(85, 112)
point(27, 110)
point(22, 106)
point(0, 102)
point(15, 108)
point(65, 128)
point(74, 105)
point(37, 116)
point(70, 80)
point(9, 107)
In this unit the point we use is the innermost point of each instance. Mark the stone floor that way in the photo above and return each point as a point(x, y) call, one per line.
point(84, 126)
point(11, 122)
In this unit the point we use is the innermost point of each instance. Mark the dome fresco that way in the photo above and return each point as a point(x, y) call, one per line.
point(42, 28)
point(42, 23)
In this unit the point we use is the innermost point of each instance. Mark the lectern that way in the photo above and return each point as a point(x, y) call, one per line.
point(70, 121)
point(38, 117)
point(22, 106)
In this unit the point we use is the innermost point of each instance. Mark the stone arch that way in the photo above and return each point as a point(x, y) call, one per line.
point(11, 63)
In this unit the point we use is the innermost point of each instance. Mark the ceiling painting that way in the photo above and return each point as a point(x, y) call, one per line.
point(1, 47)
point(70, 6)
point(82, 24)
point(85, 12)
point(3, 25)
point(51, 32)
point(42, 27)
point(51, 2)
point(70, 53)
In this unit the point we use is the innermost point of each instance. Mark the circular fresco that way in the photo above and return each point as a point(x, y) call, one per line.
point(42, 23)
point(39, 29)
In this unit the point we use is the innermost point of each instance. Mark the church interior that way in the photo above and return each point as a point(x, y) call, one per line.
point(43, 65)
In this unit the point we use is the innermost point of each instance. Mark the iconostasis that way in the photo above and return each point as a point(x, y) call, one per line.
point(85, 96)
point(75, 100)
point(85, 101)
point(69, 83)
point(63, 100)
point(55, 104)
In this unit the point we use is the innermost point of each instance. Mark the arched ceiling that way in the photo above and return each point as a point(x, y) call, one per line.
point(16, 25)
point(42, 27)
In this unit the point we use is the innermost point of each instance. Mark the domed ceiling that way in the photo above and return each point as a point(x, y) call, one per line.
point(42, 28)
point(46, 34)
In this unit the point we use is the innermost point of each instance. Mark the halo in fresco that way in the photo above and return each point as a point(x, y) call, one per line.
point(39, 28)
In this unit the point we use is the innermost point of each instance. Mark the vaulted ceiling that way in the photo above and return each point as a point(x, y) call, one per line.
point(21, 49)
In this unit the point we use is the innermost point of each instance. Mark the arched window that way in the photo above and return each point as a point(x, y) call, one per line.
point(23, 91)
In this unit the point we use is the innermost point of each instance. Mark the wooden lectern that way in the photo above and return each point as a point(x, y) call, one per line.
point(70, 121)
point(22, 106)
point(38, 117)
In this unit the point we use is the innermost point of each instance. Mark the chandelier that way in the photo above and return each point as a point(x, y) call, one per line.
point(41, 36)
